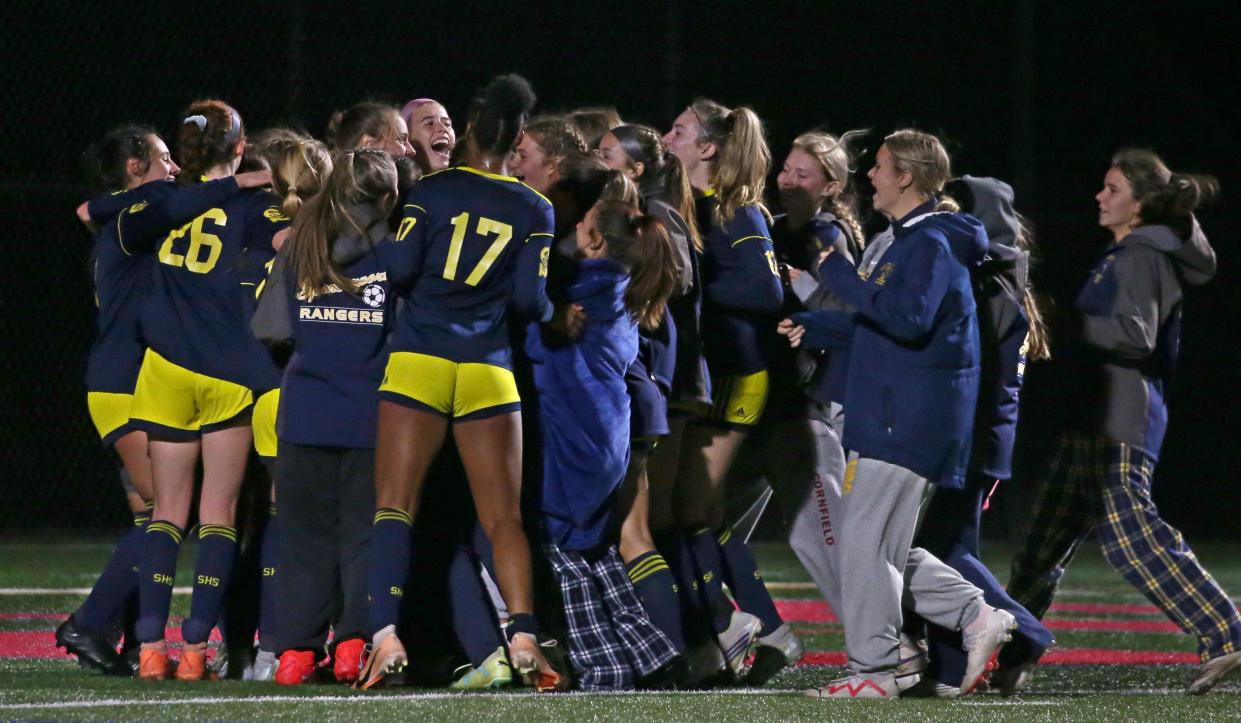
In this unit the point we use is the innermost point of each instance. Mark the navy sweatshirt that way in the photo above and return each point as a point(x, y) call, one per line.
point(914, 367)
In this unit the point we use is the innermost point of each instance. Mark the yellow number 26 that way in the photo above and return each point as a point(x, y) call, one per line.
point(204, 249)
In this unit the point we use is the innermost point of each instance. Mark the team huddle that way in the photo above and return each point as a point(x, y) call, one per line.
point(603, 335)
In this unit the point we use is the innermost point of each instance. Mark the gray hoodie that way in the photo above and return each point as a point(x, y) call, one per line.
point(1129, 330)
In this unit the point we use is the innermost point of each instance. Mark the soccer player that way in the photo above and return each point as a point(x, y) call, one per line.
point(725, 155)
point(546, 141)
point(431, 134)
point(474, 241)
point(194, 389)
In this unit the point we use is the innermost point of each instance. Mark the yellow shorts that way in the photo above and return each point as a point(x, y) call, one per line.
point(110, 413)
point(739, 400)
point(175, 402)
point(263, 421)
point(455, 390)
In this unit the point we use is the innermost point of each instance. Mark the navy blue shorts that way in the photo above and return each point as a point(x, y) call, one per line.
point(648, 406)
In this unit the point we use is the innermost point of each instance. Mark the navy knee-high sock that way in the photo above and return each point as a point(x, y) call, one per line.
point(157, 566)
point(217, 548)
point(695, 622)
point(743, 578)
point(473, 619)
point(391, 554)
point(657, 588)
point(116, 584)
point(706, 551)
point(269, 563)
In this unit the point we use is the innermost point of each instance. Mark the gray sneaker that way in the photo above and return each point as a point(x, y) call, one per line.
point(982, 640)
point(913, 660)
point(1212, 672)
point(263, 669)
point(874, 686)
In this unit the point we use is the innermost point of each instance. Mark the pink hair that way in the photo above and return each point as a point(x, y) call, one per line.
point(407, 110)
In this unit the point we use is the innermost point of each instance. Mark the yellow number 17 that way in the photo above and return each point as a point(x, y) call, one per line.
point(486, 226)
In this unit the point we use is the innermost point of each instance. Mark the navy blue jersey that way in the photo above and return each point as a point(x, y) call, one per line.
point(196, 316)
point(256, 265)
point(124, 270)
point(471, 244)
point(330, 393)
point(741, 291)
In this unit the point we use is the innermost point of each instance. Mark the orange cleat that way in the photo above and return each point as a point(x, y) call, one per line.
point(153, 663)
point(524, 652)
point(347, 663)
point(193, 664)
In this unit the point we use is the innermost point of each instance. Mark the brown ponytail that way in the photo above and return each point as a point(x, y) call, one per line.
point(640, 244)
point(299, 168)
point(662, 172)
point(1167, 198)
point(207, 137)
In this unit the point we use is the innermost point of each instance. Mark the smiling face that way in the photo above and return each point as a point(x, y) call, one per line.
point(532, 164)
point(432, 136)
point(888, 182)
point(1118, 209)
point(614, 156)
point(685, 140)
point(803, 182)
point(395, 138)
point(160, 166)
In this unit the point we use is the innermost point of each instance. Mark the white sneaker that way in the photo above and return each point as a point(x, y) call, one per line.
point(263, 669)
point(738, 642)
point(858, 686)
point(1212, 672)
point(982, 640)
point(775, 651)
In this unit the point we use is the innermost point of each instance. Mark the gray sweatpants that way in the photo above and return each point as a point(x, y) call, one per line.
point(878, 567)
point(807, 464)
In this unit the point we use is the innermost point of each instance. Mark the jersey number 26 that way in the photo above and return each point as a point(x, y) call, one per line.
point(204, 249)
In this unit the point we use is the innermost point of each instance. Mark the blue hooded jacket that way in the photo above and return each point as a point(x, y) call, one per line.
point(914, 367)
point(584, 408)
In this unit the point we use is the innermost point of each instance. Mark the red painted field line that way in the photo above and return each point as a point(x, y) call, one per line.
point(1067, 656)
point(817, 611)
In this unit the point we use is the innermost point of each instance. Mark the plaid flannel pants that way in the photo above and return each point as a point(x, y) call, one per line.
point(612, 641)
point(1100, 485)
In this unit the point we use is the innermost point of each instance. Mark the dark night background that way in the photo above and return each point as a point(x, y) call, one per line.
point(1036, 93)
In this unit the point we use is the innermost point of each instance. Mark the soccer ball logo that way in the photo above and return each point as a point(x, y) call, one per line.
point(373, 295)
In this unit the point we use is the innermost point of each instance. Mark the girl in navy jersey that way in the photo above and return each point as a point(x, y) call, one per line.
point(330, 283)
point(474, 242)
point(725, 154)
point(370, 125)
point(131, 157)
point(193, 392)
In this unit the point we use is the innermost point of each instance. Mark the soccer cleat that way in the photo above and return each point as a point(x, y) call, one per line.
point(528, 660)
point(1212, 672)
point(928, 688)
point(706, 661)
point(193, 663)
point(982, 640)
point(776, 651)
point(492, 674)
point(387, 658)
point(738, 642)
point(92, 651)
point(153, 663)
point(875, 686)
point(1010, 679)
point(263, 669)
point(295, 667)
point(347, 660)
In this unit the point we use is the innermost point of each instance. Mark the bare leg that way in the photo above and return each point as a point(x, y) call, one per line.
point(633, 504)
point(708, 454)
point(408, 440)
point(172, 468)
point(132, 449)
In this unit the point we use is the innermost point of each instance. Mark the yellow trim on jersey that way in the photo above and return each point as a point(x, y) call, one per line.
point(726, 535)
point(454, 389)
point(109, 411)
point(263, 422)
point(747, 238)
point(741, 399)
point(414, 205)
point(175, 397)
point(709, 192)
point(498, 177)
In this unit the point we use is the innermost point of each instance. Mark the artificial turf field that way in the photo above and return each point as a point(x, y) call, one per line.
point(1118, 659)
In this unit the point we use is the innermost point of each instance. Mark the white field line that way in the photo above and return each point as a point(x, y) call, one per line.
point(11, 591)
